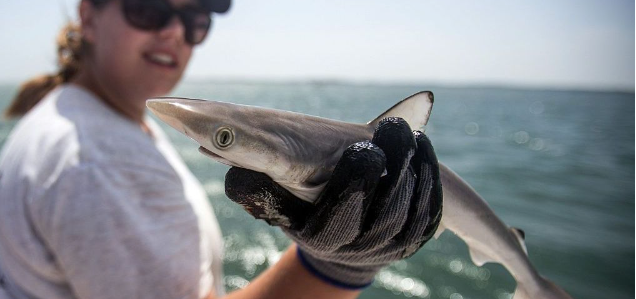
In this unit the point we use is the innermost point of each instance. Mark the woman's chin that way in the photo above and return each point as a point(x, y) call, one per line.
point(159, 90)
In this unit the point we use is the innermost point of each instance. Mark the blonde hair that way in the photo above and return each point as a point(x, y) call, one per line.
point(70, 49)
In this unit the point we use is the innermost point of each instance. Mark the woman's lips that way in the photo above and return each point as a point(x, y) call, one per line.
point(162, 59)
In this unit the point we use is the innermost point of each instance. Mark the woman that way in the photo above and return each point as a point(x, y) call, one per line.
point(95, 202)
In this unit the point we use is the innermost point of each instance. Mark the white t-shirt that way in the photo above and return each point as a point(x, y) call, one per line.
point(93, 207)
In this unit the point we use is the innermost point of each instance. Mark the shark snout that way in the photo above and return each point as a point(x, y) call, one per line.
point(159, 107)
point(180, 114)
point(172, 106)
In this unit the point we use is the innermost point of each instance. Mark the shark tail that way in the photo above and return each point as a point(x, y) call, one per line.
point(545, 290)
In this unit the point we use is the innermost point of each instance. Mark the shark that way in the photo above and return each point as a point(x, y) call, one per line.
point(300, 151)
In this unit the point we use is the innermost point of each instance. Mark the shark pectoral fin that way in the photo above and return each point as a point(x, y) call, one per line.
point(440, 229)
point(521, 236)
point(478, 257)
point(415, 110)
point(305, 191)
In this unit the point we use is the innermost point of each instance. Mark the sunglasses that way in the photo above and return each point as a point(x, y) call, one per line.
point(156, 14)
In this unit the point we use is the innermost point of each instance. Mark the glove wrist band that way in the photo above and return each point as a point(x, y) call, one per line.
point(305, 261)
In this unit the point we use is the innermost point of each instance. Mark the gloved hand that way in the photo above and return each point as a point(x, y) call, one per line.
point(363, 220)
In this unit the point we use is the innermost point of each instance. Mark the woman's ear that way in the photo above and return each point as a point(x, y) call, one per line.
point(86, 15)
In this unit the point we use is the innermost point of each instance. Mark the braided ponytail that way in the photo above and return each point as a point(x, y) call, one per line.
point(70, 48)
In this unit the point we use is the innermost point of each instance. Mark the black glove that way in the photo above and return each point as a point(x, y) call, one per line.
point(363, 220)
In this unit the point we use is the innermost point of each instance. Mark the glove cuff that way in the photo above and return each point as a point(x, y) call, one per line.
point(339, 275)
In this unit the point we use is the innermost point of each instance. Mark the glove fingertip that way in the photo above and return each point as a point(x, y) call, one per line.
point(359, 169)
point(425, 148)
point(363, 159)
point(394, 136)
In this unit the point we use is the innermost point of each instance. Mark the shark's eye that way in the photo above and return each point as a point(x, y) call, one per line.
point(224, 137)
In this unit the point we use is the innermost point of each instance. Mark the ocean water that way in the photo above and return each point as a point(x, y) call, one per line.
point(557, 164)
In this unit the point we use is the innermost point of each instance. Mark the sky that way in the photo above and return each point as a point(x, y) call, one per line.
point(581, 44)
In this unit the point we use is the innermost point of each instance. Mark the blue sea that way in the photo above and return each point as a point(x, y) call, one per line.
point(557, 164)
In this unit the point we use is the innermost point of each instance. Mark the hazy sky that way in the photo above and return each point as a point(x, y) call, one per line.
point(545, 43)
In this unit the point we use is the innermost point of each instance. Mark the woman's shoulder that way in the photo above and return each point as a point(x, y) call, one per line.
point(103, 135)
point(70, 127)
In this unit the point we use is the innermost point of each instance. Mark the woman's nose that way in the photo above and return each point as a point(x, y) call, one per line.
point(174, 29)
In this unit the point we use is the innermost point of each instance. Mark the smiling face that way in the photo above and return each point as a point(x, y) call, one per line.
point(127, 65)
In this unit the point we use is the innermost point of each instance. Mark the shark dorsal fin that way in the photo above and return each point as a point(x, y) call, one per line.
point(415, 110)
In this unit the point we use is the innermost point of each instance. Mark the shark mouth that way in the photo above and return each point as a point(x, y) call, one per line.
point(216, 157)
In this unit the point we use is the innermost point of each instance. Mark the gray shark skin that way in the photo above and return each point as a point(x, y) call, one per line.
point(300, 151)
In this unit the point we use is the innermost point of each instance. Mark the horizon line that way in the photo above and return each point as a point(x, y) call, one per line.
point(442, 84)
point(377, 82)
